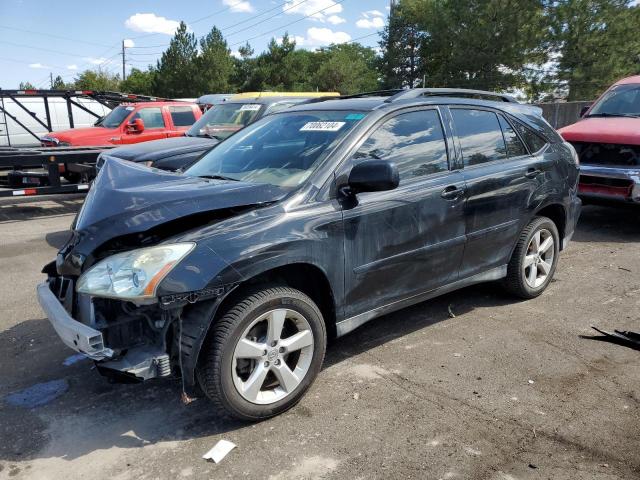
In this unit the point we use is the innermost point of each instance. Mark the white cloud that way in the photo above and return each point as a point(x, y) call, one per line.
point(95, 61)
point(238, 6)
point(128, 43)
point(73, 66)
point(325, 36)
point(37, 65)
point(318, 9)
point(371, 19)
point(335, 19)
point(151, 23)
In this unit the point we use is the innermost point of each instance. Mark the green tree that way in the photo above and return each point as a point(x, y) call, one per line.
point(346, 68)
point(281, 67)
point(59, 84)
point(26, 86)
point(176, 70)
point(244, 67)
point(400, 62)
point(139, 81)
point(97, 80)
point(214, 64)
point(597, 43)
point(482, 44)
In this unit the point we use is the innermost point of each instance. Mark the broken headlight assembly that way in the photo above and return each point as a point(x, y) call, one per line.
point(132, 275)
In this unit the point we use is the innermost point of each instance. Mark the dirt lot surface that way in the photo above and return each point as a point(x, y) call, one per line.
point(503, 390)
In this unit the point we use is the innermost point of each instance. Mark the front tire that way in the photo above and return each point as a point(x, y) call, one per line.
point(263, 353)
point(534, 259)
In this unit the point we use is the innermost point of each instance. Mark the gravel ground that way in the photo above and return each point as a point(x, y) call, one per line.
point(496, 389)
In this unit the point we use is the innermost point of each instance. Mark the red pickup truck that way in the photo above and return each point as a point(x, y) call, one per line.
point(130, 123)
point(607, 139)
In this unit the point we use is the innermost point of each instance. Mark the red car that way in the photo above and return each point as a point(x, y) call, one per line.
point(607, 140)
point(130, 123)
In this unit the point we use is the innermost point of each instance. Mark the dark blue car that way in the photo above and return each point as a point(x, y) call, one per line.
point(303, 226)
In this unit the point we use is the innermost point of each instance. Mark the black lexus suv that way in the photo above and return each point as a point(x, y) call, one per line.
point(303, 226)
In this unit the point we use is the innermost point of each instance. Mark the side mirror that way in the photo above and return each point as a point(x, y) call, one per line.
point(584, 110)
point(137, 126)
point(373, 176)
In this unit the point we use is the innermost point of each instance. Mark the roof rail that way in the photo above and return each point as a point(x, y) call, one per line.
point(450, 92)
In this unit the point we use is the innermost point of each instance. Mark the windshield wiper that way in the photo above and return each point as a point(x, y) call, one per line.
point(606, 114)
point(218, 177)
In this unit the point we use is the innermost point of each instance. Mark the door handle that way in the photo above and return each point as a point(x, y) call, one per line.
point(451, 192)
point(532, 173)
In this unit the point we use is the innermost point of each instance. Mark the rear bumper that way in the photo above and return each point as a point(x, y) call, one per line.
point(609, 183)
point(75, 335)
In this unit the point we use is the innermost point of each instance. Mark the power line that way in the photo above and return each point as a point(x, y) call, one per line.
point(191, 22)
point(60, 37)
point(288, 24)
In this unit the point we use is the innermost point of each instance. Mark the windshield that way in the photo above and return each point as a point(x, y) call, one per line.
point(222, 120)
point(281, 149)
point(621, 100)
point(115, 118)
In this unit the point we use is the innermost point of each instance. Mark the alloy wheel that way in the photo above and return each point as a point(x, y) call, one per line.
point(272, 356)
point(539, 258)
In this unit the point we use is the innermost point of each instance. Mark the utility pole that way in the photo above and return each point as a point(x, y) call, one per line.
point(123, 61)
point(51, 79)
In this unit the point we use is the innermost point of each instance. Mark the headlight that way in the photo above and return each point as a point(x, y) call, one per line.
point(132, 275)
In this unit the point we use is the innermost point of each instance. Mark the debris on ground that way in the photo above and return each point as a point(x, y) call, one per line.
point(74, 359)
point(38, 394)
point(219, 451)
point(451, 314)
point(620, 337)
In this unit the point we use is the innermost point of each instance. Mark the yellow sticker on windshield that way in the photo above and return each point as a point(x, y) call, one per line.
point(322, 127)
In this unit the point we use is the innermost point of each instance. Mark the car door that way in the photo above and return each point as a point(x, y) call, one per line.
point(409, 240)
point(500, 178)
point(154, 126)
point(181, 117)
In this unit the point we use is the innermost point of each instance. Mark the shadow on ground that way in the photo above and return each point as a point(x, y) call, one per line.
point(614, 223)
point(94, 415)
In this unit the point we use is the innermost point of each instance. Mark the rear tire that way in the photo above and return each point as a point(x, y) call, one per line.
point(263, 353)
point(534, 259)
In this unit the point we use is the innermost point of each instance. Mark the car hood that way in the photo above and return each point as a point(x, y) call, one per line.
point(128, 199)
point(76, 135)
point(623, 130)
point(160, 149)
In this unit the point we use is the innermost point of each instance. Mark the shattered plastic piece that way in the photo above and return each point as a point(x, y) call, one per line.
point(186, 399)
point(531, 382)
point(73, 359)
point(219, 451)
point(457, 355)
point(451, 314)
point(38, 394)
point(356, 396)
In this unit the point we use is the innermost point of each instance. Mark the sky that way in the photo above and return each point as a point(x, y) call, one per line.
point(38, 37)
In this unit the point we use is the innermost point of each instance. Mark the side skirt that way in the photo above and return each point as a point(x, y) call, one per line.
point(349, 324)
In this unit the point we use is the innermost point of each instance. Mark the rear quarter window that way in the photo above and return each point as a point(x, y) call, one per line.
point(182, 116)
point(534, 141)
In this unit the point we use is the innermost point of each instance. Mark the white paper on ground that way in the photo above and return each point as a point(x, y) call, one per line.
point(219, 451)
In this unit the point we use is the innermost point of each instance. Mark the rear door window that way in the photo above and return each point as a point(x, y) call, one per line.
point(414, 141)
point(480, 136)
point(151, 116)
point(515, 147)
point(182, 116)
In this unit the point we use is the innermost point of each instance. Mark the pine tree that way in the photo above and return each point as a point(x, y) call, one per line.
point(400, 63)
point(176, 69)
point(214, 64)
point(596, 43)
point(346, 68)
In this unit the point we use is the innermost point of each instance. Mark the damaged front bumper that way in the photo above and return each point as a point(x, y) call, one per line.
point(142, 362)
point(609, 183)
point(75, 335)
